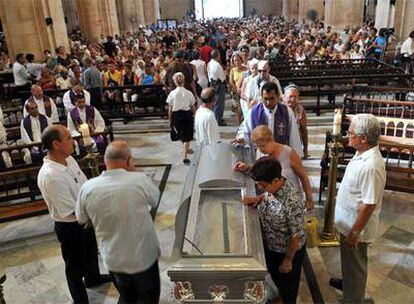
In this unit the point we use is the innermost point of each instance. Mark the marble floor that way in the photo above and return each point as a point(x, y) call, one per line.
point(31, 255)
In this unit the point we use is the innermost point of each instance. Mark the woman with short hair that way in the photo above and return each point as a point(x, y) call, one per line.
point(281, 213)
point(181, 108)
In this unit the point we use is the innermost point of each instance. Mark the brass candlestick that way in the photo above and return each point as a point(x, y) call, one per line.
point(328, 236)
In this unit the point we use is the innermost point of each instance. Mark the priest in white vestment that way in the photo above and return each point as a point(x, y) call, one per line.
point(45, 104)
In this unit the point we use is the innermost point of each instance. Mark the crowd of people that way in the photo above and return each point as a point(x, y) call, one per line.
point(196, 63)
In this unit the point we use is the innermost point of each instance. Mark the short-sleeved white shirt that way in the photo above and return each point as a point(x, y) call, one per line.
point(206, 127)
point(60, 186)
point(117, 203)
point(181, 99)
point(363, 183)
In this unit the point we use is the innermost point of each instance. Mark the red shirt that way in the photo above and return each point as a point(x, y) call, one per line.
point(205, 53)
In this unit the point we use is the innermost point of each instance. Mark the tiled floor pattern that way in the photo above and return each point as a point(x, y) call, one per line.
point(35, 274)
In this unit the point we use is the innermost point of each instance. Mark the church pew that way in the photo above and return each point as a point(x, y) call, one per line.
point(379, 107)
point(13, 133)
point(398, 154)
point(296, 69)
point(17, 151)
point(151, 102)
point(19, 194)
point(381, 92)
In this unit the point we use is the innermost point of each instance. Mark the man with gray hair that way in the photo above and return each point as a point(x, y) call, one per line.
point(291, 99)
point(116, 202)
point(45, 104)
point(358, 205)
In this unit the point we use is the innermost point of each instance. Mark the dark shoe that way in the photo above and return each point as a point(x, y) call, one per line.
point(222, 124)
point(186, 161)
point(336, 283)
point(102, 279)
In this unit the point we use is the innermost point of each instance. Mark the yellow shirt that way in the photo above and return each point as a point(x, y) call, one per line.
point(115, 76)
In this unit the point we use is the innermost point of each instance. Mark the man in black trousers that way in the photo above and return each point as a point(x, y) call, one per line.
point(60, 179)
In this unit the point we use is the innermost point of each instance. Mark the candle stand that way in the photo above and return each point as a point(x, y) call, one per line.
point(328, 237)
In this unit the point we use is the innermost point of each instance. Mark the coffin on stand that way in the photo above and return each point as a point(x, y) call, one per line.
point(218, 244)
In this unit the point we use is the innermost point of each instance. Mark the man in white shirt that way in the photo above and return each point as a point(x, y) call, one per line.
point(252, 92)
point(277, 116)
point(117, 203)
point(69, 96)
point(217, 79)
point(205, 124)
point(407, 51)
point(34, 68)
point(45, 104)
point(21, 75)
point(358, 204)
point(60, 179)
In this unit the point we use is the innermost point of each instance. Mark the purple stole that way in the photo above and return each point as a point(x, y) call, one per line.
point(90, 120)
point(72, 96)
point(281, 128)
point(90, 116)
point(27, 124)
point(47, 103)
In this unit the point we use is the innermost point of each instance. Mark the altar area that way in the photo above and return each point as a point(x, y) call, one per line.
point(35, 270)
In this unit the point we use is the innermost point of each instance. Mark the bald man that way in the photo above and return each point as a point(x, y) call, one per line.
point(116, 202)
point(205, 123)
point(60, 179)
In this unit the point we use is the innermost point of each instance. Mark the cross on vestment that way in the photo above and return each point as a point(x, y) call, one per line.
point(281, 128)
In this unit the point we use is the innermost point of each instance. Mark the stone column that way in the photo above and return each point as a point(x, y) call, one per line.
point(97, 17)
point(404, 18)
point(305, 6)
point(382, 14)
point(24, 24)
point(151, 11)
point(370, 10)
point(71, 15)
point(130, 15)
point(290, 9)
point(339, 13)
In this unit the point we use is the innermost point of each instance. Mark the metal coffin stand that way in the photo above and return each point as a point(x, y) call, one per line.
point(218, 245)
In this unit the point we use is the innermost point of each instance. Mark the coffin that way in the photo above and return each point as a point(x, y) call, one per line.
point(218, 249)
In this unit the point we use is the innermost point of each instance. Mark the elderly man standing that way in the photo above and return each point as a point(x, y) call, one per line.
point(217, 79)
point(205, 124)
point(115, 202)
point(358, 205)
point(45, 104)
point(291, 99)
point(277, 116)
point(60, 179)
point(253, 87)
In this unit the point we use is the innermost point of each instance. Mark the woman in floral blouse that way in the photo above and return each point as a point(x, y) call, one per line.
point(281, 212)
